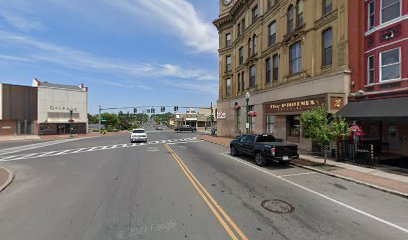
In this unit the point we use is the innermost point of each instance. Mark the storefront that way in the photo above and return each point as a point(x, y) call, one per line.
point(283, 117)
point(384, 123)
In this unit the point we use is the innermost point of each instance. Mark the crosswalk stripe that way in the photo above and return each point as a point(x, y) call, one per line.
point(90, 149)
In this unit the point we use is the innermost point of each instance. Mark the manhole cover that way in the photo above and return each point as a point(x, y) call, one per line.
point(278, 206)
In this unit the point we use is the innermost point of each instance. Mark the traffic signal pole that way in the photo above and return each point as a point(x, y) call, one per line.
point(99, 119)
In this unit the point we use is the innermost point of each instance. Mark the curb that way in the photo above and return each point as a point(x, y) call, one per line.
point(8, 181)
point(387, 190)
point(214, 143)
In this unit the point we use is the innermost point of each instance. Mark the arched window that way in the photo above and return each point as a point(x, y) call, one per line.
point(291, 24)
point(299, 13)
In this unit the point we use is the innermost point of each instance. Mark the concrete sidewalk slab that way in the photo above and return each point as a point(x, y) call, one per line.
point(6, 177)
point(19, 138)
point(372, 177)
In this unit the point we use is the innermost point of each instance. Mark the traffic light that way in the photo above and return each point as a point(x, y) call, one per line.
point(163, 109)
point(148, 110)
point(175, 108)
point(152, 110)
point(134, 110)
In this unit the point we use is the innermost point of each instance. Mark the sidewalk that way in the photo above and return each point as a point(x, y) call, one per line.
point(6, 176)
point(371, 177)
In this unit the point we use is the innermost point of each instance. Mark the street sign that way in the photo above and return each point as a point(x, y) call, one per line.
point(247, 125)
point(221, 115)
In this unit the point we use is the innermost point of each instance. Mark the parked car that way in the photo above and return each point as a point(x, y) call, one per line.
point(159, 128)
point(264, 148)
point(138, 134)
point(184, 128)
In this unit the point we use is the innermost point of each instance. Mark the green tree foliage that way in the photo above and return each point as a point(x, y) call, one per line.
point(111, 120)
point(92, 119)
point(317, 126)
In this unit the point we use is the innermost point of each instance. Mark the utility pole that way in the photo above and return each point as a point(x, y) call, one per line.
point(211, 118)
point(99, 119)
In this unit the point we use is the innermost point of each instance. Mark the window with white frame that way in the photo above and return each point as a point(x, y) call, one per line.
point(371, 14)
point(229, 63)
point(270, 121)
point(228, 87)
point(390, 62)
point(295, 58)
point(272, 34)
point(370, 69)
point(252, 72)
point(390, 9)
point(228, 39)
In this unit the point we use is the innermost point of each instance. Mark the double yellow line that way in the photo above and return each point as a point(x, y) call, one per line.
point(225, 220)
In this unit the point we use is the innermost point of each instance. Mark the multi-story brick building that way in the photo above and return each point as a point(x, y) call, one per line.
point(378, 36)
point(289, 55)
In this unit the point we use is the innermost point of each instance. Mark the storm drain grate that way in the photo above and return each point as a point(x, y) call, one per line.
point(278, 206)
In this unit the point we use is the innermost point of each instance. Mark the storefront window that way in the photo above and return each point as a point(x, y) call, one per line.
point(270, 121)
point(294, 126)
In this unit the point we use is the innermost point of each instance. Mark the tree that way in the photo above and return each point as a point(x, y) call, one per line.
point(317, 126)
point(111, 119)
point(92, 119)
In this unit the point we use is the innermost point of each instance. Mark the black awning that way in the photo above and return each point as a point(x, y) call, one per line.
point(391, 107)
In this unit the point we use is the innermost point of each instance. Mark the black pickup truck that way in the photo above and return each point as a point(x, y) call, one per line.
point(184, 128)
point(263, 148)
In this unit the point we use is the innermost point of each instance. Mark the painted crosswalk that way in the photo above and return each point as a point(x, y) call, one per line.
point(91, 149)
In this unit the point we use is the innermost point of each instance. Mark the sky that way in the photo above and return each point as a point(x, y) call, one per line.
point(128, 52)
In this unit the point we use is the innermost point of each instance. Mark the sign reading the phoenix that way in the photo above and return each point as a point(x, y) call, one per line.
point(294, 106)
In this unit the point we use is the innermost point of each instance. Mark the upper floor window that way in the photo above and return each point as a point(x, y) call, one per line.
point(327, 6)
point(252, 76)
point(255, 13)
point(229, 63)
point(327, 47)
point(238, 29)
point(370, 70)
point(390, 62)
point(371, 14)
point(238, 81)
point(242, 25)
point(243, 81)
point(390, 9)
point(268, 69)
point(291, 25)
point(228, 86)
point(272, 34)
point(299, 13)
point(241, 55)
point(249, 47)
point(228, 40)
point(254, 45)
point(295, 58)
point(275, 67)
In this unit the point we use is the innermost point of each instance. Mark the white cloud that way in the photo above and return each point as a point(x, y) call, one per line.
point(24, 24)
point(74, 59)
point(178, 16)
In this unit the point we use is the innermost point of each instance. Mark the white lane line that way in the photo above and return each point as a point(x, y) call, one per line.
point(78, 150)
point(297, 174)
point(34, 146)
point(62, 152)
point(114, 146)
point(24, 156)
point(91, 149)
point(47, 153)
point(104, 147)
point(321, 195)
point(174, 143)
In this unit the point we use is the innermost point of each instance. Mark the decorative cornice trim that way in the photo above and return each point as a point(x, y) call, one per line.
point(326, 19)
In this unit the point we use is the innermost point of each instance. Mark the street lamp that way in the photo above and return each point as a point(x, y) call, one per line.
point(247, 96)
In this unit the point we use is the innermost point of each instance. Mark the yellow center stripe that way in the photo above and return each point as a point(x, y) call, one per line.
point(206, 195)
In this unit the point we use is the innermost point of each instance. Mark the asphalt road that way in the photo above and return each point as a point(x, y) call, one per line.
point(183, 189)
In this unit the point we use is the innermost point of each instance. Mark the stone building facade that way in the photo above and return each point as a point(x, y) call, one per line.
point(289, 55)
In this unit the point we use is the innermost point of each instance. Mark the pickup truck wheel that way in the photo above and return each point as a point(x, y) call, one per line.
point(234, 151)
point(260, 159)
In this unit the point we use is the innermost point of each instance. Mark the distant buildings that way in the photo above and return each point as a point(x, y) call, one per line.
point(43, 108)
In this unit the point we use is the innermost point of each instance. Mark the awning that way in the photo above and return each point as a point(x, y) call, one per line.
point(391, 107)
